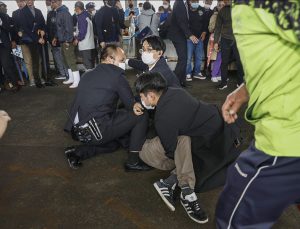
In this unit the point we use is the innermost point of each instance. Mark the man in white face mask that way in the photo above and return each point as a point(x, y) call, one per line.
point(153, 61)
point(96, 101)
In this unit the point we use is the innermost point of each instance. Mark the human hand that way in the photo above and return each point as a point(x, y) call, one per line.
point(216, 46)
point(233, 103)
point(102, 45)
point(75, 42)
point(41, 41)
point(13, 45)
point(203, 35)
point(4, 119)
point(138, 109)
point(194, 39)
point(54, 42)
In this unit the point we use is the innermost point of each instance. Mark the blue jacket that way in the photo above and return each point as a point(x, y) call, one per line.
point(82, 25)
point(29, 24)
point(64, 25)
point(136, 11)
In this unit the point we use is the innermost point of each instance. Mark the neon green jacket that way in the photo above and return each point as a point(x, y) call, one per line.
point(268, 39)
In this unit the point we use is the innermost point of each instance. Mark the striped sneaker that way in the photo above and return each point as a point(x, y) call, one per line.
point(166, 192)
point(192, 208)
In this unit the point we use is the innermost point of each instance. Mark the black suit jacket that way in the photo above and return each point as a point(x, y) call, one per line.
point(179, 26)
point(98, 93)
point(29, 25)
point(161, 66)
point(5, 30)
point(213, 149)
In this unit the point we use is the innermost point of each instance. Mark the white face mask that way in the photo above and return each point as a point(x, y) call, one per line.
point(49, 8)
point(93, 12)
point(166, 6)
point(122, 65)
point(141, 8)
point(147, 58)
point(148, 107)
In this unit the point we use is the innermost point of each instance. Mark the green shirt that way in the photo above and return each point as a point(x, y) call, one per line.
point(268, 39)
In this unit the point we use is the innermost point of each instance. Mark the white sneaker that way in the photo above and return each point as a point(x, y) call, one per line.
point(189, 78)
point(42, 81)
point(31, 83)
point(214, 79)
point(76, 76)
point(199, 76)
point(219, 78)
point(71, 77)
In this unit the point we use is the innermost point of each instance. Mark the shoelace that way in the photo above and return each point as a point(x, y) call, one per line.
point(196, 207)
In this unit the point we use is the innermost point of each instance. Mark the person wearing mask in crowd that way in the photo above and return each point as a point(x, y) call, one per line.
point(91, 9)
point(56, 50)
point(212, 54)
point(178, 33)
point(25, 50)
point(148, 18)
point(6, 61)
point(107, 22)
point(4, 119)
point(131, 8)
point(224, 34)
point(198, 24)
point(166, 11)
point(31, 30)
point(141, 6)
point(65, 37)
point(95, 107)
point(84, 36)
point(208, 12)
point(153, 61)
point(181, 122)
point(264, 180)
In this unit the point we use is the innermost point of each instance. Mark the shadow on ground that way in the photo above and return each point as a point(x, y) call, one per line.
point(39, 190)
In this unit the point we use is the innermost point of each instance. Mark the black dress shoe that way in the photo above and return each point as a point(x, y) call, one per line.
point(39, 85)
point(73, 159)
point(138, 166)
point(185, 85)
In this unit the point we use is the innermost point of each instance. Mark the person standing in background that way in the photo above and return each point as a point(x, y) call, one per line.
point(131, 8)
point(178, 33)
point(65, 37)
point(84, 36)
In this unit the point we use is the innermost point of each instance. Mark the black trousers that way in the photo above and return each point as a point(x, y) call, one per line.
point(228, 47)
point(35, 56)
point(88, 58)
point(6, 61)
point(124, 129)
point(181, 50)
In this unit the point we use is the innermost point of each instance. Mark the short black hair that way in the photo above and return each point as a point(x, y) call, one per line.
point(150, 82)
point(109, 50)
point(156, 43)
point(147, 6)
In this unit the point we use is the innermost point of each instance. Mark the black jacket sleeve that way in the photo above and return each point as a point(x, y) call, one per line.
point(138, 65)
point(125, 93)
point(98, 25)
point(182, 19)
point(218, 27)
point(122, 18)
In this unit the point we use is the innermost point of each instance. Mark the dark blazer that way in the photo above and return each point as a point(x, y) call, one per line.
point(161, 66)
point(179, 26)
point(51, 25)
point(107, 22)
point(98, 93)
point(5, 30)
point(15, 20)
point(29, 25)
point(178, 113)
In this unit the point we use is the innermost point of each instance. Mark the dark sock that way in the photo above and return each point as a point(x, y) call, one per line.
point(171, 180)
point(133, 157)
point(186, 190)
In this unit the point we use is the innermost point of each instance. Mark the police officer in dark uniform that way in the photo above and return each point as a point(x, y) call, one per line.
point(94, 117)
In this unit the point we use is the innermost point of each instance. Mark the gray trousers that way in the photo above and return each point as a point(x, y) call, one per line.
point(59, 61)
point(88, 58)
point(154, 155)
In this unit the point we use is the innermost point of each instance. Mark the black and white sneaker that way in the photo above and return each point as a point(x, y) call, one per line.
point(193, 209)
point(73, 159)
point(222, 86)
point(166, 193)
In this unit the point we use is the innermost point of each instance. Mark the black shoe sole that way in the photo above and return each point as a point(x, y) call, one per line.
point(132, 169)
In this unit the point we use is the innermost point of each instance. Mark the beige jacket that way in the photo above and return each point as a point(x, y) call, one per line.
point(211, 28)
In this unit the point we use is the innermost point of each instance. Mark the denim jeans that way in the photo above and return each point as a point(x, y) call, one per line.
point(195, 50)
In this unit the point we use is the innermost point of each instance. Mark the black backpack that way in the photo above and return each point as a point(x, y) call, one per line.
point(164, 27)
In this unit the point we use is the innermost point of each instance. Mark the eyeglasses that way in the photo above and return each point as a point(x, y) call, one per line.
point(143, 50)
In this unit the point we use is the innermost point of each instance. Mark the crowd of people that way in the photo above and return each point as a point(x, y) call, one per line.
point(190, 27)
point(196, 141)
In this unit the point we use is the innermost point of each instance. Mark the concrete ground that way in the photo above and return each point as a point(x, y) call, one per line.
point(38, 190)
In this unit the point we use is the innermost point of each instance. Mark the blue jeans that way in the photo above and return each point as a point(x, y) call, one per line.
point(195, 50)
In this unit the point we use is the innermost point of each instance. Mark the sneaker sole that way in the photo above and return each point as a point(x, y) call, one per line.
point(189, 80)
point(170, 206)
point(71, 166)
point(195, 220)
point(200, 78)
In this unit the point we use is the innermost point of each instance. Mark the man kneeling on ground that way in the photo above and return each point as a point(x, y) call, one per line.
point(94, 117)
point(179, 119)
